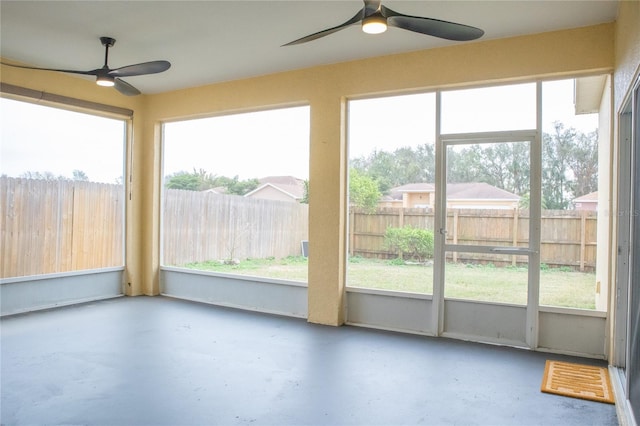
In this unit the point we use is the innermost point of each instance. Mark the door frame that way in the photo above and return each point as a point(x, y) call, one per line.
point(534, 137)
point(622, 288)
point(632, 310)
point(532, 252)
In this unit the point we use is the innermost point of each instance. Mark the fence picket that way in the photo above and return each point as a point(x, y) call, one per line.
point(58, 226)
point(567, 238)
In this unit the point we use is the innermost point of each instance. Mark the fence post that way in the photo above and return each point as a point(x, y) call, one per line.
point(401, 218)
point(455, 233)
point(352, 228)
point(516, 215)
point(583, 238)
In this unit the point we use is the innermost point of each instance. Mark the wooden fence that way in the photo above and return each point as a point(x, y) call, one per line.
point(59, 226)
point(206, 226)
point(568, 237)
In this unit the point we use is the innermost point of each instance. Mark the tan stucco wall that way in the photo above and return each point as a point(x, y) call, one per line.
point(627, 69)
point(627, 50)
point(325, 89)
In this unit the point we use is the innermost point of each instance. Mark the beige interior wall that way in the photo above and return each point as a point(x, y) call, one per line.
point(627, 50)
point(325, 89)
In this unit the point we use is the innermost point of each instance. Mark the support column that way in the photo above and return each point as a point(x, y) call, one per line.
point(327, 212)
point(132, 285)
point(152, 203)
point(143, 251)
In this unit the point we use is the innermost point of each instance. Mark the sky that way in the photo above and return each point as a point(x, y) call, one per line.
point(36, 138)
point(276, 142)
point(394, 122)
point(249, 145)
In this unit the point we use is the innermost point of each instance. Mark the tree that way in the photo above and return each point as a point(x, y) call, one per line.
point(525, 201)
point(41, 176)
point(237, 186)
point(305, 196)
point(379, 165)
point(584, 164)
point(207, 180)
point(404, 165)
point(463, 164)
point(556, 149)
point(183, 180)
point(79, 175)
point(201, 180)
point(363, 191)
point(503, 165)
point(569, 165)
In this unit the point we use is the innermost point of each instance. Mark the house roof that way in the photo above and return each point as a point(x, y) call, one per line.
point(456, 191)
point(478, 191)
point(592, 197)
point(282, 180)
point(416, 187)
point(217, 190)
point(289, 185)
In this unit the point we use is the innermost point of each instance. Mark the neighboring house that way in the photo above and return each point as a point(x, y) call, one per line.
point(473, 195)
point(417, 195)
point(217, 190)
point(280, 188)
point(587, 202)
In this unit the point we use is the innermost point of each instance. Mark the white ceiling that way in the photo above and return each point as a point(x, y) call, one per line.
point(214, 41)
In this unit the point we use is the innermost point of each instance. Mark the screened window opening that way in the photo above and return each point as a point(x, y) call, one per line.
point(487, 137)
point(61, 190)
point(235, 196)
point(391, 193)
point(489, 109)
point(570, 198)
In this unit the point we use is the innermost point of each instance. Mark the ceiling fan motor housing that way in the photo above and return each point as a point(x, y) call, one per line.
point(107, 41)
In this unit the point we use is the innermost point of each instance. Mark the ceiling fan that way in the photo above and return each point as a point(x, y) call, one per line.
point(106, 76)
point(375, 18)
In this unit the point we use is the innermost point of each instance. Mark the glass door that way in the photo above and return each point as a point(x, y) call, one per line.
point(490, 235)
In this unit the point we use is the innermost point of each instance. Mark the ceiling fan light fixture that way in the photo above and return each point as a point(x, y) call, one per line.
point(105, 81)
point(374, 24)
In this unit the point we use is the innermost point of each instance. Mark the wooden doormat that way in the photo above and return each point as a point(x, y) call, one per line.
point(577, 381)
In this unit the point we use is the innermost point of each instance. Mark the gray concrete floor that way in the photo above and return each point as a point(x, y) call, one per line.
point(160, 361)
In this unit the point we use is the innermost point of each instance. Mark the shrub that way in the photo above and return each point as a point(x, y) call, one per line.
point(395, 262)
point(414, 242)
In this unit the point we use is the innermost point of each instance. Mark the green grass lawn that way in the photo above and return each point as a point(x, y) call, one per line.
point(558, 287)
